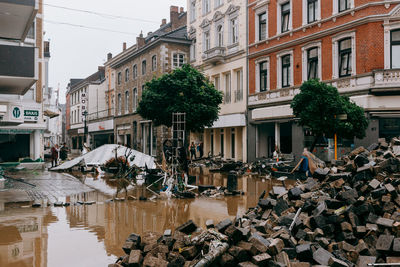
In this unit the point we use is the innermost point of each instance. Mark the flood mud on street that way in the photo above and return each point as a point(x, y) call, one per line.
point(93, 234)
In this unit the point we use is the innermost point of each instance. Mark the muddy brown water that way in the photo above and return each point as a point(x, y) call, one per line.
point(92, 235)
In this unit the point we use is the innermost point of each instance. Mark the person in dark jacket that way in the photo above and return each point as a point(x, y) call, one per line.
point(54, 155)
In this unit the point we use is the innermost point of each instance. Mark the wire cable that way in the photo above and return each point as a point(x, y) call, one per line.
point(109, 16)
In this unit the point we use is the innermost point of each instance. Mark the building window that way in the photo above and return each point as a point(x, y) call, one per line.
point(126, 102)
point(206, 6)
point(220, 36)
point(345, 59)
point(239, 86)
point(395, 49)
point(143, 67)
point(228, 88)
point(218, 3)
point(263, 76)
point(262, 26)
point(126, 75)
point(192, 10)
point(134, 100)
point(31, 32)
point(285, 17)
point(119, 78)
point(154, 63)
point(285, 71)
point(312, 63)
point(193, 50)
point(134, 71)
point(234, 30)
point(207, 44)
point(178, 59)
point(119, 104)
point(344, 5)
point(216, 83)
point(312, 7)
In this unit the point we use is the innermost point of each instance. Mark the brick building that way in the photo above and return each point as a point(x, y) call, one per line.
point(157, 53)
point(352, 44)
point(219, 32)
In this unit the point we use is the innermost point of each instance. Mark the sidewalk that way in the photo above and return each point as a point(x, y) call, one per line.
point(50, 186)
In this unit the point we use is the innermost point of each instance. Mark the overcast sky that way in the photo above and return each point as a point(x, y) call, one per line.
point(76, 52)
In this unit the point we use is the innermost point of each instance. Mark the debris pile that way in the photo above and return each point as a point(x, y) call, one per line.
point(346, 215)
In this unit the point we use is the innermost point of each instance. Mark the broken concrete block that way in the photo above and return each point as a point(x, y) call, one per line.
point(209, 224)
point(295, 193)
point(304, 252)
point(396, 245)
point(239, 253)
point(276, 246)
point(187, 228)
point(233, 233)
point(261, 259)
point(384, 242)
point(322, 256)
point(385, 222)
point(249, 247)
point(135, 258)
point(223, 225)
point(259, 242)
point(227, 260)
point(247, 264)
point(363, 261)
point(374, 184)
point(279, 190)
point(334, 262)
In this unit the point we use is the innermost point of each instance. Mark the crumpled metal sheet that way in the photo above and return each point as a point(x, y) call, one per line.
point(100, 155)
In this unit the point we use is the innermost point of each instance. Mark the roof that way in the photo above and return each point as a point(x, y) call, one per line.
point(98, 76)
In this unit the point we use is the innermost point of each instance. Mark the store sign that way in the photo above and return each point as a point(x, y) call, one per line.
point(16, 112)
point(83, 105)
point(31, 115)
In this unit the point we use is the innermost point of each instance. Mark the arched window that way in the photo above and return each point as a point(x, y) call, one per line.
point(143, 67)
point(119, 104)
point(154, 63)
point(134, 71)
point(220, 36)
point(126, 102)
point(134, 100)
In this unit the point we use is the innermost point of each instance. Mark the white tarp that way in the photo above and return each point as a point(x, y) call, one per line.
point(100, 155)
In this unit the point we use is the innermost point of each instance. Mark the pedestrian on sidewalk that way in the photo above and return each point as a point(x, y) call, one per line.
point(200, 148)
point(54, 156)
point(64, 152)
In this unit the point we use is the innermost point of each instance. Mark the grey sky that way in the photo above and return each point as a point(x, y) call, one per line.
point(76, 52)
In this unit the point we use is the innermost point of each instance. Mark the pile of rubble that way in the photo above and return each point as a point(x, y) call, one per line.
point(346, 215)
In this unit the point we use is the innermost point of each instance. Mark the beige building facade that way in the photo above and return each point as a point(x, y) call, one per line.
point(218, 29)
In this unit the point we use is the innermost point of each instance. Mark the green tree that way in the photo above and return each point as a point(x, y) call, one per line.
point(317, 107)
point(183, 90)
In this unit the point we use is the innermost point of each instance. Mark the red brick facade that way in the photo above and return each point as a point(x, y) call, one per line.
point(369, 37)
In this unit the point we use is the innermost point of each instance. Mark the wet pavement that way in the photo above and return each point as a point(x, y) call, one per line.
point(49, 187)
point(92, 235)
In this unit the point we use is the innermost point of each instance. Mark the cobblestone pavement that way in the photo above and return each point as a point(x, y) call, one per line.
point(50, 186)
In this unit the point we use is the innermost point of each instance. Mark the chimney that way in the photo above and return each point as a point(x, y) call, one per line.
point(123, 46)
point(109, 56)
point(181, 10)
point(163, 22)
point(140, 40)
point(174, 17)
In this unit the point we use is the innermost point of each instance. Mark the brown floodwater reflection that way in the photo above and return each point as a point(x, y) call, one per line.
point(92, 235)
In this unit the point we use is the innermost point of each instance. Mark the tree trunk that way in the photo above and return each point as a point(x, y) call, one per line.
point(315, 142)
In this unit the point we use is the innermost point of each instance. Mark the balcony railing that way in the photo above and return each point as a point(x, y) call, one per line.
point(214, 55)
point(387, 78)
point(101, 114)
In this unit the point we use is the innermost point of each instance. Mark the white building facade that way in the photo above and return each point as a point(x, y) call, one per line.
point(218, 29)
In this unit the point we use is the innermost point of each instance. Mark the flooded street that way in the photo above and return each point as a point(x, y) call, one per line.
point(92, 235)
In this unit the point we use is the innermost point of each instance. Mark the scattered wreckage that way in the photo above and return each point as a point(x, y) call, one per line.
point(345, 215)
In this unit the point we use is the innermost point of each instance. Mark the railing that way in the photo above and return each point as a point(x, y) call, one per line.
point(101, 114)
point(274, 95)
point(214, 54)
point(387, 78)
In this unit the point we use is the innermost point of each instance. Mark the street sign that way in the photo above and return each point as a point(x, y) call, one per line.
point(31, 115)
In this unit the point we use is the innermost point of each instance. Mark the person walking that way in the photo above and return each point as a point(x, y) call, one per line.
point(201, 149)
point(54, 156)
point(192, 151)
point(64, 152)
